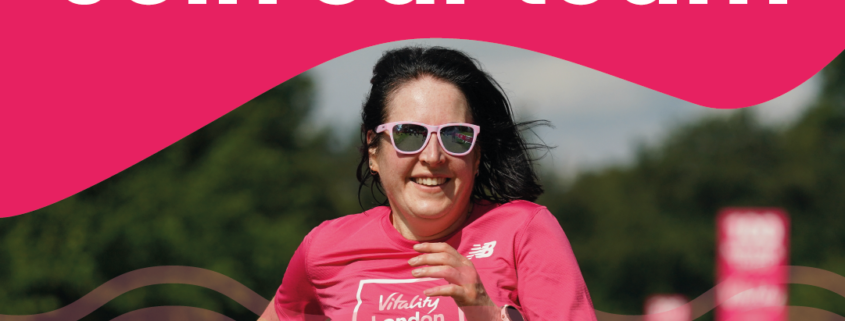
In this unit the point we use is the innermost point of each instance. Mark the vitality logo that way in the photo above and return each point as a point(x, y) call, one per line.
point(402, 300)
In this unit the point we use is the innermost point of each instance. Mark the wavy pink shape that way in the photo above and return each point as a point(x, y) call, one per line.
point(261, 306)
point(88, 91)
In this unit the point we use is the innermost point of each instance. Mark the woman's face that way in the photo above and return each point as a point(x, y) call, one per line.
point(430, 188)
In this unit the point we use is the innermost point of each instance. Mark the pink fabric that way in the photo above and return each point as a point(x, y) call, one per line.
point(356, 268)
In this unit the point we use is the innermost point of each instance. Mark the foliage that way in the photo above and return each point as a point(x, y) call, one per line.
point(649, 227)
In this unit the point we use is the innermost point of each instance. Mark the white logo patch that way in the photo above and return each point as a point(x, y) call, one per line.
point(481, 250)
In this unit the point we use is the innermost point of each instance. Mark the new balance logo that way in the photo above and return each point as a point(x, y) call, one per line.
point(481, 250)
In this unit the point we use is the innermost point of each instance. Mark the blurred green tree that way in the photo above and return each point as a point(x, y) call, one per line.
point(649, 227)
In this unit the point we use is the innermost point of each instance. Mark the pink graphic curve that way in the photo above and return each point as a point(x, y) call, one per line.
point(89, 90)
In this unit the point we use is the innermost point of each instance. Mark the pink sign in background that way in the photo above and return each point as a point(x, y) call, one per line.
point(751, 264)
point(89, 90)
point(667, 307)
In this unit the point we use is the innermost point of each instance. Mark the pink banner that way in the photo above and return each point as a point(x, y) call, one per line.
point(91, 87)
point(752, 258)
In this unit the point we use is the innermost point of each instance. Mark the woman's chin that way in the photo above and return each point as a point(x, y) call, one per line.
point(429, 211)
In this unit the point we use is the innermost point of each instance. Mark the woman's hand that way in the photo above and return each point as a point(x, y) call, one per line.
point(441, 260)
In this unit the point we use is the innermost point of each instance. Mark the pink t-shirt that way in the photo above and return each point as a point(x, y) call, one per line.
point(356, 268)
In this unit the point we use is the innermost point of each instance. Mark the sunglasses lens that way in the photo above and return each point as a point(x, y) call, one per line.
point(457, 139)
point(409, 137)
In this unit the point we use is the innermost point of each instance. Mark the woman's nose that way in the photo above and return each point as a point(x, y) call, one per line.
point(432, 154)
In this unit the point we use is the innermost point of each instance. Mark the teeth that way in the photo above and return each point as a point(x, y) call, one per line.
point(430, 181)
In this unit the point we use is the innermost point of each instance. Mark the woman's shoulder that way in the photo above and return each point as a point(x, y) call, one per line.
point(513, 215)
point(518, 209)
point(349, 224)
point(522, 205)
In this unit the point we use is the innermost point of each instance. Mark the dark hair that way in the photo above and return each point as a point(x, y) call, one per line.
point(505, 172)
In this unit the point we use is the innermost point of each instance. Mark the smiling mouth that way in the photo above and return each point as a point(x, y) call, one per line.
point(430, 181)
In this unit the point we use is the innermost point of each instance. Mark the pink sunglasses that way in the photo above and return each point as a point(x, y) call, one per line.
point(457, 139)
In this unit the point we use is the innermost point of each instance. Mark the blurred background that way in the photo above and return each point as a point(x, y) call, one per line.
point(636, 179)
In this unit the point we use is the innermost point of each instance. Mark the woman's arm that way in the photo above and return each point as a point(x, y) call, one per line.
point(441, 260)
point(296, 298)
point(550, 285)
point(269, 313)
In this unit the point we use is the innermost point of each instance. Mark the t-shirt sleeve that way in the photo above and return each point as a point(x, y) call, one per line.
point(296, 298)
point(550, 285)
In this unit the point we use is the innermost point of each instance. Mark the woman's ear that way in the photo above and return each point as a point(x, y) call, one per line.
point(477, 152)
point(372, 151)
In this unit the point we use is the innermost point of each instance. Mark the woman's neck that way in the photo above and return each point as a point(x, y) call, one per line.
point(427, 232)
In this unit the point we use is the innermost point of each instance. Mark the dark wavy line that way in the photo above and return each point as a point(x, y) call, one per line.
point(150, 276)
point(794, 313)
point(180, 313)
point(797, 275)
point(257, 304)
